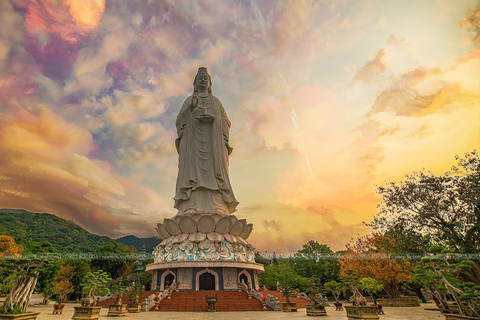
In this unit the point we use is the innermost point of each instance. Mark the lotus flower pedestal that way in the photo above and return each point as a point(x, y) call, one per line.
point(204, 252)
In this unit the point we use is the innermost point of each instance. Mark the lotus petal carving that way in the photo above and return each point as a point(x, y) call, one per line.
point(215, 237)
point(238, 227)
point(206, 224)
point(162, 231)
point(197, 236)
point(224, 225)
point(182, 237)
point(230, 238)
point(246, 232)
point(198, 227)
point(188, 225)
point(172, 227)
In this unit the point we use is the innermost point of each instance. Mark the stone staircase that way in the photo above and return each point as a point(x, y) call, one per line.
point(125, 299)
point(194, 301)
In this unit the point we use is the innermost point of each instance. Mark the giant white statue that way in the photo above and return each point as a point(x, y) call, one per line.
point(203, 183)
point(204, 229)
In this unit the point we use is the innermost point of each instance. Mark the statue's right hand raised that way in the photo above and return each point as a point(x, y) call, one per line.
point(194, 101)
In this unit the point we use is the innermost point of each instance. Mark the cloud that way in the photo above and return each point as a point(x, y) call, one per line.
point(372, 70)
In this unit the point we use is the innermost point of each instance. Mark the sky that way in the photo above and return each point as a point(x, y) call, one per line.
point(327, 99)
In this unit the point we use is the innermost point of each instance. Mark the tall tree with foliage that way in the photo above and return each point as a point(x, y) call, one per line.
point(62, 285)
point(446, 207)
point(117, 259)
point(80, 268)
point(8, 247)
point(369, 256)
point(315, 260)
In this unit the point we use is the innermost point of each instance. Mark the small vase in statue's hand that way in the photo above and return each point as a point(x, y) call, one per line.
point(205, 117)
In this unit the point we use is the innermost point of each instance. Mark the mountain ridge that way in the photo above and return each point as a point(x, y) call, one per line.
point(45, 232)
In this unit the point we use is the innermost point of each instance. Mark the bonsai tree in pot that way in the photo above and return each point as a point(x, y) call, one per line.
point(62, 287)
point(119, 288)
point(94, 283)
point(371, 287)
point(359, 308)
point(444, 272)
point(26, 271)
point(336, 289)
point(289, 281)
point(134, 291)
point(317, 303)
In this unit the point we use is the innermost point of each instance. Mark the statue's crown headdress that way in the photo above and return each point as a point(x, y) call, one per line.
point(202, 70)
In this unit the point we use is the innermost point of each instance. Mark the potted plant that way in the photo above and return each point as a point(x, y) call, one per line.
point(18, 297)
point(119, 288)
point(264, 302)
point(62, 287)
point(372, 287)
point(336, 289)
point(156, 300)
point(445, 273)
point(359, 308)
point(135, 290)
point(94, 283)
point(317, 304)
point(288, 292)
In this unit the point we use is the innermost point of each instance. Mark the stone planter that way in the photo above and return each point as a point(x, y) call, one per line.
point(361, 312)
point(134, 307)
point(289, 307)
point(58, 308)
point(452, 316)
point(399, 302)
point(86, 313)
point(22, 316)
point(117, 310)
point(316, 310)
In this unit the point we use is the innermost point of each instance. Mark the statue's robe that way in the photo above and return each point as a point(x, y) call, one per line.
point(203, 183)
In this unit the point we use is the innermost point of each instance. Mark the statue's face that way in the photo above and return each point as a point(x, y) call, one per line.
point(202, 81)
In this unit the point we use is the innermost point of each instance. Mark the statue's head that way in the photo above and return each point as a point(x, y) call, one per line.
point(202, 74)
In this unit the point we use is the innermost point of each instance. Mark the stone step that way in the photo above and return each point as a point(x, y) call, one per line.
point(194, 301)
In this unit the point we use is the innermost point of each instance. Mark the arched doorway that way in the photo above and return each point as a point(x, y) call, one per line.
point(243, 278)
point(169, 277)
point(206, 281)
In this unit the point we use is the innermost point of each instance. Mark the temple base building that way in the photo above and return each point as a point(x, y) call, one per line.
point(204, 252)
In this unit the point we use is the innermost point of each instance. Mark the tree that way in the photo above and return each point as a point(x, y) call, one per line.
point(116, 259)
point(26, 271)
point(46, 275)
point(371, 287)
point(446, 207)
point(80, 268)
point(335, 288)
point(369, 256)
point(94, 283)
point(269, 277)
point(62, 285)
point(444, 272)
point(315, 260)
point(290, 281)
point(8, 246)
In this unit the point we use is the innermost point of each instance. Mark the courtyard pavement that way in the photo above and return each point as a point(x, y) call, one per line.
point(411, 313)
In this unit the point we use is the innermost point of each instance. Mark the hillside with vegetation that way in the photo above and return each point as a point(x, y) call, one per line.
point(43, 232)
point(136, 242)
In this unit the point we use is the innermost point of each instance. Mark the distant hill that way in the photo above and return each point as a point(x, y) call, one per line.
point(137, 242)
point(44, 232)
